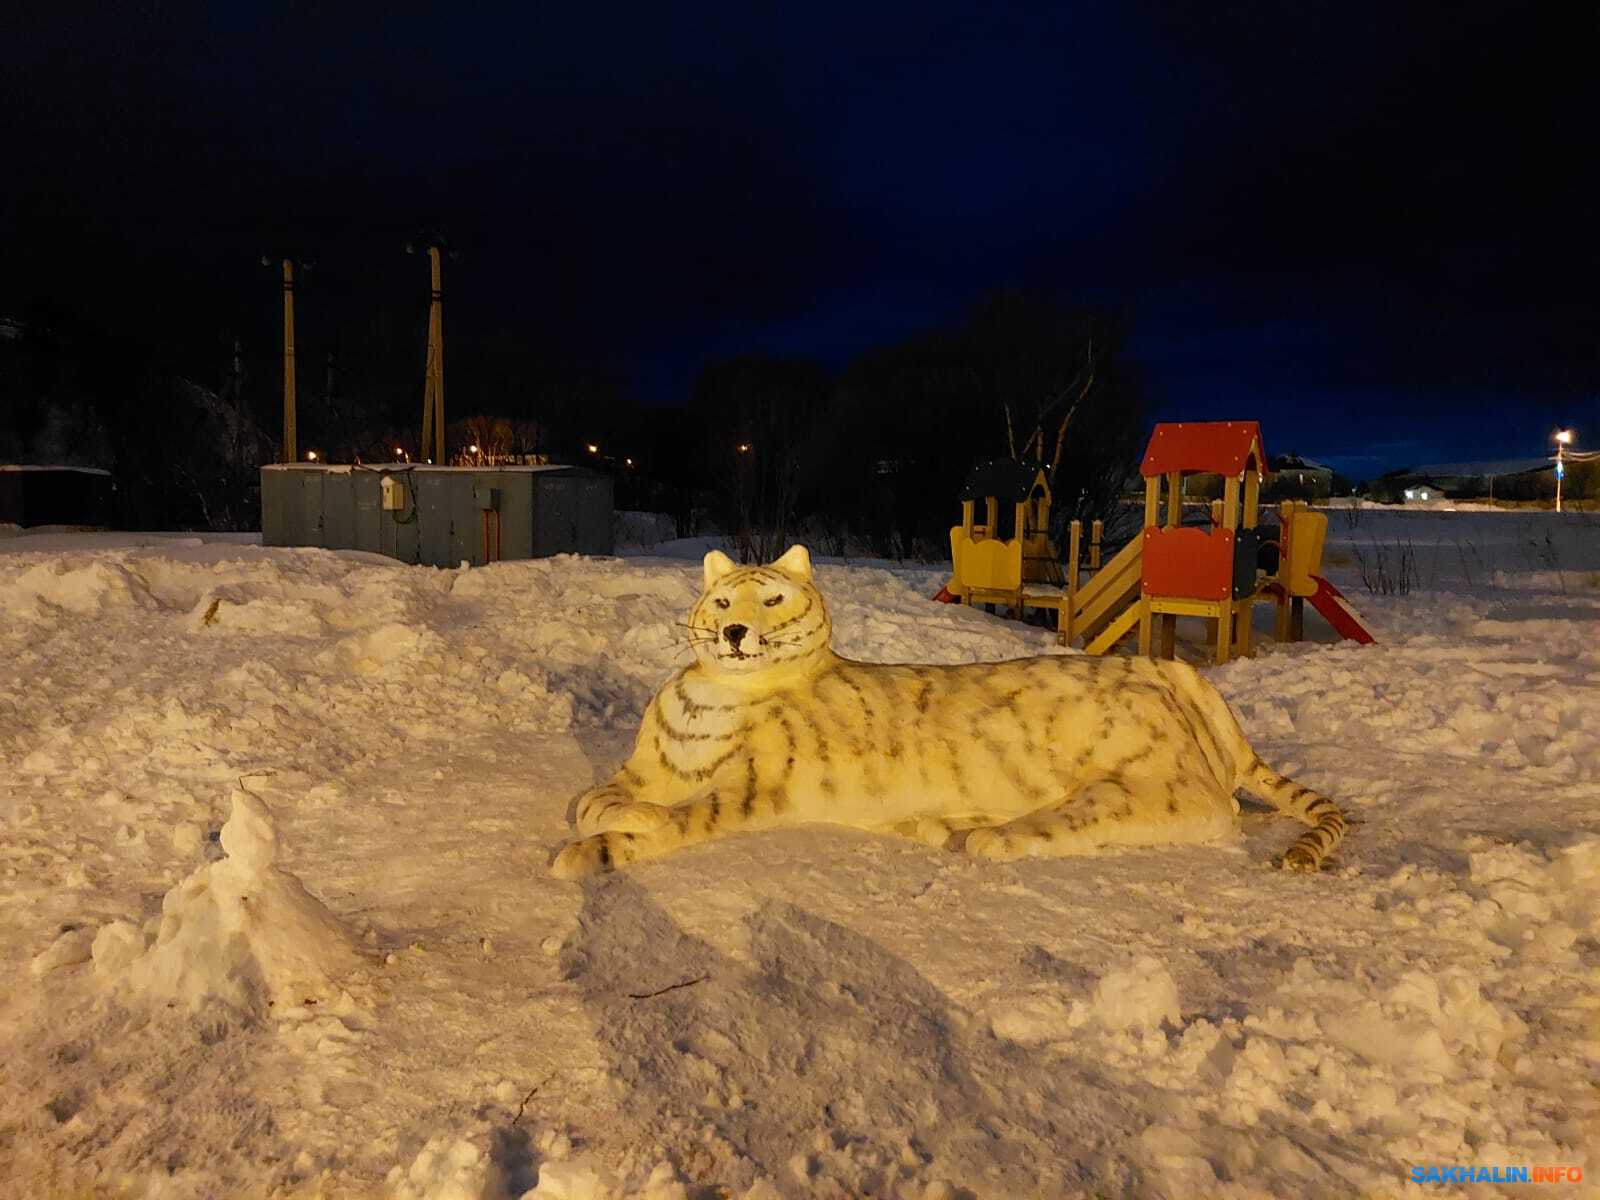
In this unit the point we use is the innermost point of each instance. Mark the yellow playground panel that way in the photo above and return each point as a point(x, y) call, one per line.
point(1306, 532)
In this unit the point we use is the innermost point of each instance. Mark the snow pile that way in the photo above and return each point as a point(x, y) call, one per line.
point(81, 586)
point(254, 610)
point(460, 1169)
point(74, 946)
point(447, 1169)
point(241, 930)
point(582, 1178)
point(1422, 1058)
point(1141, 996)
point(1537, 907)
point(799, 1012)
point(1132, 999)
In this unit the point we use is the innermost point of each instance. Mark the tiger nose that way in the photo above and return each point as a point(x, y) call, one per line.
point(734, 634)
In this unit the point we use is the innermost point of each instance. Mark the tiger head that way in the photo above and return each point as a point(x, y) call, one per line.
point(751, 619)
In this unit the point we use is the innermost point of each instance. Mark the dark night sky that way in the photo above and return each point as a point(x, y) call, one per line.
point(1371, 225)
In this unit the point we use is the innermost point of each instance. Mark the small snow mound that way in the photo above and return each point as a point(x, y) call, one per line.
point(1037, 1018)
point(1143, 995)
point(242, 930)
point(444, 1169)
point(86, 589)
point(74, 946)
point(115, 949)
point(583, 1179)
point(380, 648)
point(573, 1179)
point(1575, 878)
point(234, 610)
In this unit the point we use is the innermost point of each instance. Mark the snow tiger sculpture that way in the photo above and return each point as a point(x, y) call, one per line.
point(1037, 756)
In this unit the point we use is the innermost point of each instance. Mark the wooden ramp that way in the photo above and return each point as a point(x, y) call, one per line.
point(1106, 608)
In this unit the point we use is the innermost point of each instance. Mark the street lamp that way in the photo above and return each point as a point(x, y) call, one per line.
point(1563, 439)
point(311, 456)
point(593, 449)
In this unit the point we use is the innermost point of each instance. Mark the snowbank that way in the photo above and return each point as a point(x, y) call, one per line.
point(810, 1012)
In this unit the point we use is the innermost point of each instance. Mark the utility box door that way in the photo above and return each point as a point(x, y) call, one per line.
point(572, 515)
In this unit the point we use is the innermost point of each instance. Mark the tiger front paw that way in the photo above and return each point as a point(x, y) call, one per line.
point(991, 844)
point(585, 857)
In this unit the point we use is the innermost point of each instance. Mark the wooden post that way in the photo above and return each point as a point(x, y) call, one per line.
point(1230, 504)
point(1224, 632)
point(991, 512)
point(1252, 496)
point(1152, 518)
point(1216, 513)
point(1019, 531)
point(1096, 532)
point(1169, 635)
point(1174, 499)
point(1280, 623)
point(433, 382)
point(290, 450)
point(967, 516)
point(1069, 607)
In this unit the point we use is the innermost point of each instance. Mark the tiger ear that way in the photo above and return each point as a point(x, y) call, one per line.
point(795, 563)
point(716, 565)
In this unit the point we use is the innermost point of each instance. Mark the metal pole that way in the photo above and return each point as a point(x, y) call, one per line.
point(290, 454)
point(1561, 445)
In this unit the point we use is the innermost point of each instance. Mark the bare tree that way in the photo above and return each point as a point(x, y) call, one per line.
point(1070, 396)
point(486, 441)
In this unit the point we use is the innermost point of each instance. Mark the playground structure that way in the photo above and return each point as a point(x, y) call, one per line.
point(1210, 570)
point(1195, 572)
point(989, 568)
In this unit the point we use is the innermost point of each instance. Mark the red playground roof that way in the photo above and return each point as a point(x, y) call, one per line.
point(1219, 447)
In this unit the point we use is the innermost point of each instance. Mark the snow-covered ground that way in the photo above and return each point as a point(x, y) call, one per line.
point(275, 915)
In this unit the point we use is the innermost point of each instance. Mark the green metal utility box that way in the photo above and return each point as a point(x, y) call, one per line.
point(439, 516)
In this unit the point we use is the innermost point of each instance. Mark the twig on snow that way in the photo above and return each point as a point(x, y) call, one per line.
point(671, 987)
point(521, 1107)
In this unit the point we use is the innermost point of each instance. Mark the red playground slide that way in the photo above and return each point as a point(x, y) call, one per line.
point(1337, 611)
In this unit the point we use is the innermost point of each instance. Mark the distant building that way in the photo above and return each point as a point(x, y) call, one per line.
point(1300, 478)
point(1419, 490)
point(54, 495)
point(1505, 479)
